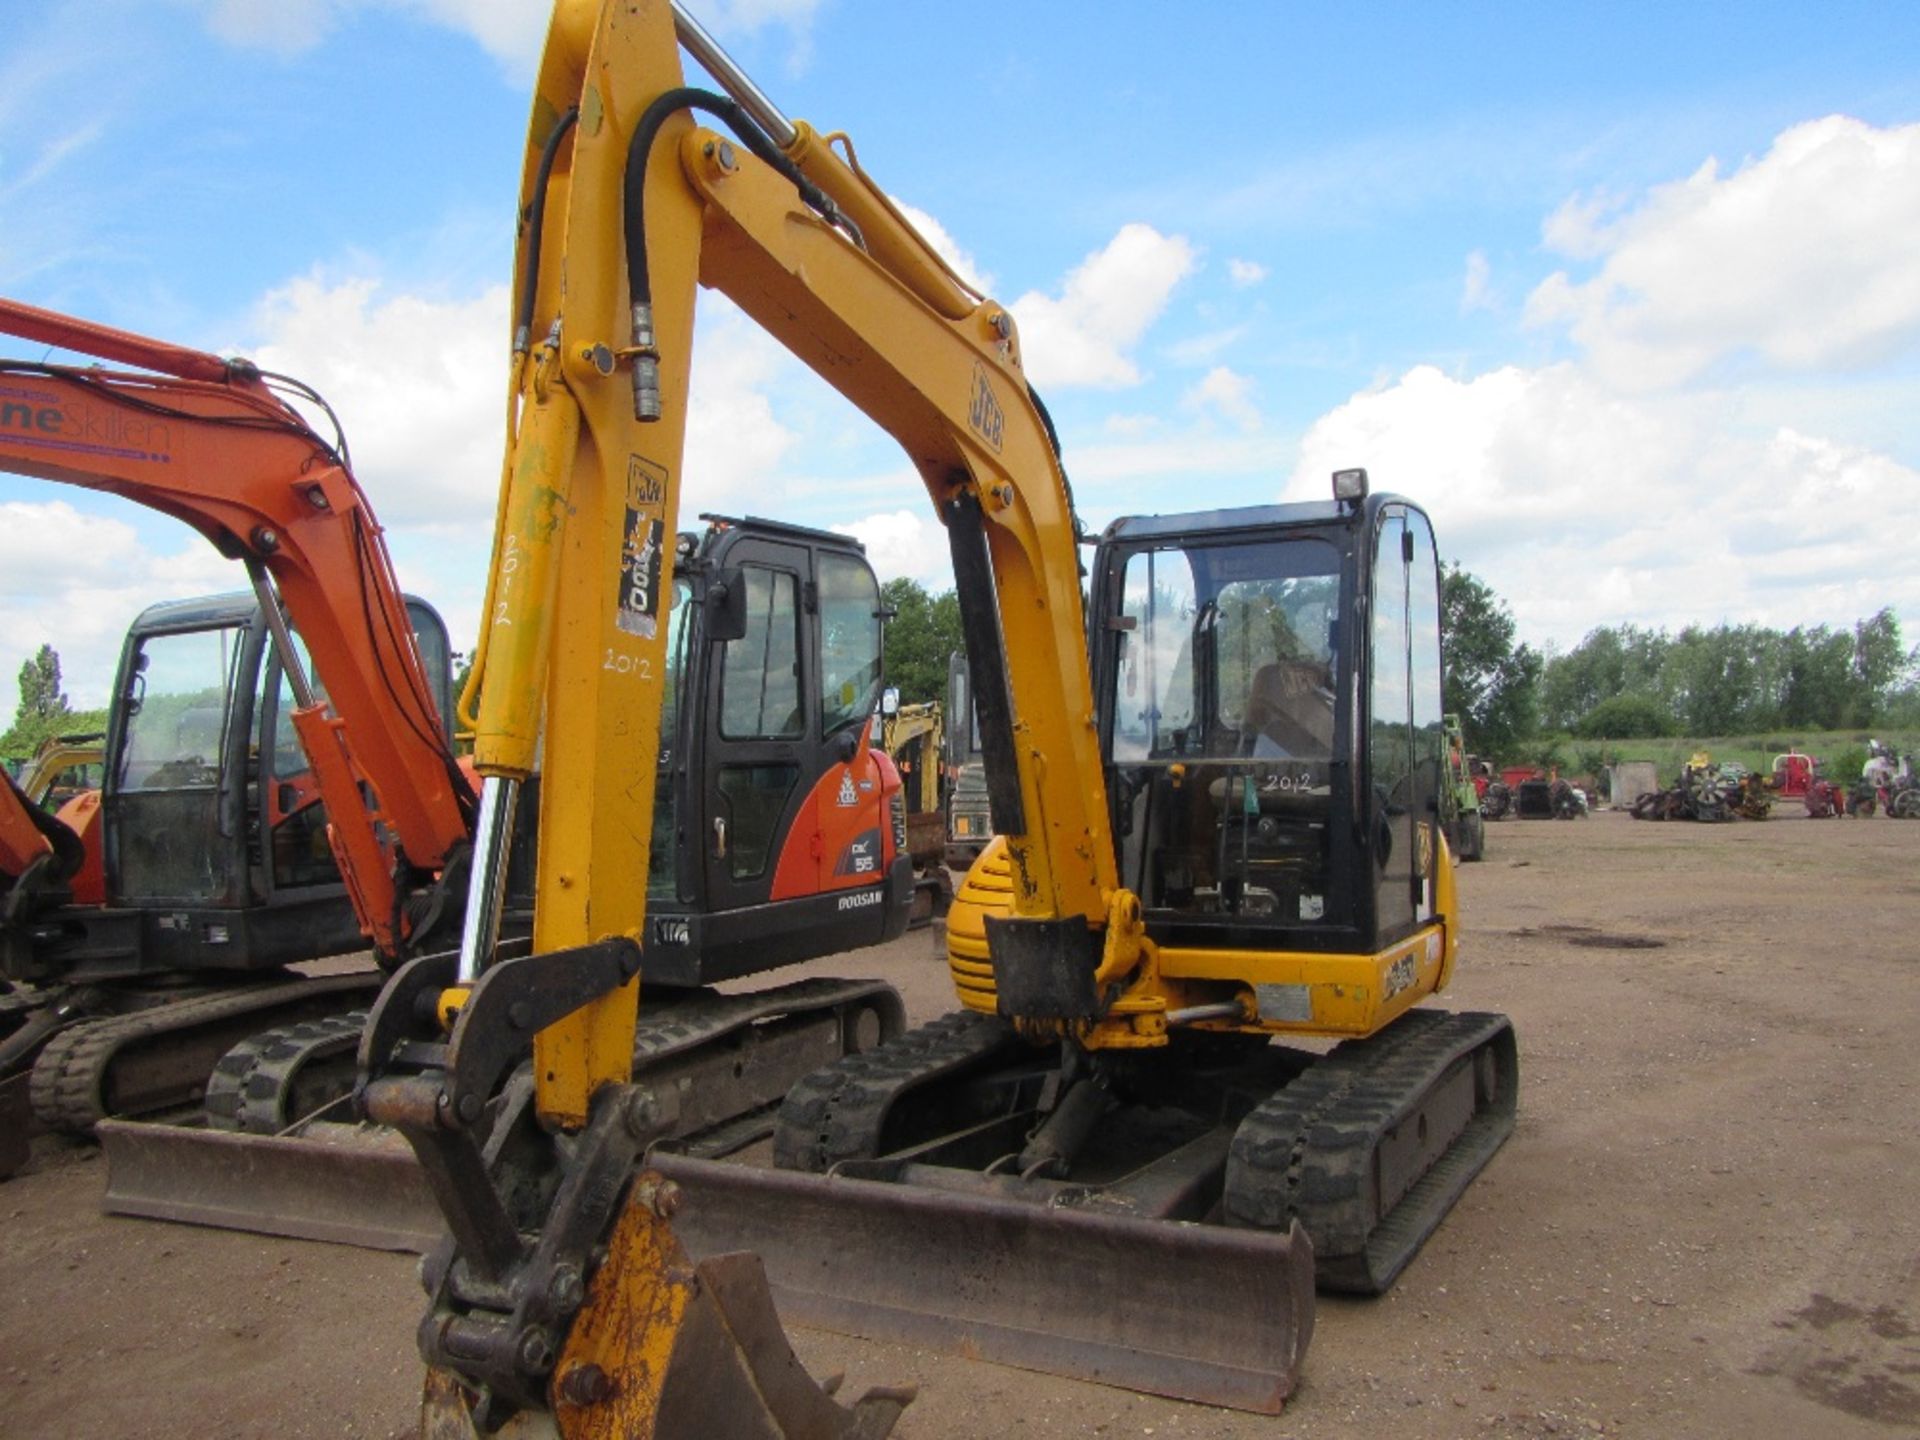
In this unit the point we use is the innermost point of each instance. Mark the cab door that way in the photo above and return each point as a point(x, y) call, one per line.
point(761, 736)
point(1405, 741)
point(172, 806)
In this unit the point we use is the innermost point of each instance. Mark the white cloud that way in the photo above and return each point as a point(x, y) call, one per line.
point(1146, 466)
point(1586, 226)
point(285, 27)
point(1803, 258)
point(1225, 393)
point(1128, 426)
point(1619, 487)
point(1108, 302)
point(910, 543)
point(512, 31)
point(53, 217)
point(744, 16)
point(941, 239)
point(736, 442)
point(418, 384)
point(1582, 507)
point(53, 153)
point(1245, 273)
point(74, 576)
point(1200, 349)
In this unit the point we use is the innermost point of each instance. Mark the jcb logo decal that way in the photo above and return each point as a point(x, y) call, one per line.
point(646, 482)
point(989, 422)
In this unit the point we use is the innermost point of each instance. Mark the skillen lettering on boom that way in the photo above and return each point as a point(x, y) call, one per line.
point(77, 425)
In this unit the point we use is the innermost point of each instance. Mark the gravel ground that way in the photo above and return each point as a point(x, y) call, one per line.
point(1704, 1225)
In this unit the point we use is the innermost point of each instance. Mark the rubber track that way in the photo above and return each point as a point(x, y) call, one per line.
point(248, 1089)
point(1307, 1151)
point(673, 1027)
point(838, 1113)
point(249, 1086)
point(68, 1085)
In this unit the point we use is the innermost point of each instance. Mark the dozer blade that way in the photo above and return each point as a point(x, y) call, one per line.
point(346, 1184)
point(1196, 1312)
point(667, 1349)
point(1208, 1313)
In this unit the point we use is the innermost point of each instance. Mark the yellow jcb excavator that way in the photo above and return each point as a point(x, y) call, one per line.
point(1218, 821)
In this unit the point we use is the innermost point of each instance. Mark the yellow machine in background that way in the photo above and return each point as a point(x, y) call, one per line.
point(915, 738)
point(913, 735)
point(1217, 816)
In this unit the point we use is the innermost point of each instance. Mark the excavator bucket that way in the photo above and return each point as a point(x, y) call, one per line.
point(673, 1350)
point(1196, 1312)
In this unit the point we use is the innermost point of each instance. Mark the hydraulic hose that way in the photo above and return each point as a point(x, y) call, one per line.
point(646, 367)
point(535, 220)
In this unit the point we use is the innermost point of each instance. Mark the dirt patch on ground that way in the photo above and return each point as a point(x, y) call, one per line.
point(1704, 1225)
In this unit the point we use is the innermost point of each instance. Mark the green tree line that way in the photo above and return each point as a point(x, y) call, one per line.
point(1629, 682)
point(1620, 682)
point(1624, 681)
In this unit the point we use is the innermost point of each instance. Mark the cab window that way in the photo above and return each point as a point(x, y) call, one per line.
point(1153, 699)
point(662, 877)
point(1390, 736)
point(760, 672)
point(849, 641)
point(178, 710)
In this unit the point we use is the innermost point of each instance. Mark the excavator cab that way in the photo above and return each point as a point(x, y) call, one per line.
point(212, 836)
point(779, 830)
point(1273, 767)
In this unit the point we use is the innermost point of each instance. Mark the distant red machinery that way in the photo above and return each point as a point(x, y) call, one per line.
point(1794, 774)
point(1825, 800)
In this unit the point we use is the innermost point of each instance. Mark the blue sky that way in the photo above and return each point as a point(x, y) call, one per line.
point(1627, 295)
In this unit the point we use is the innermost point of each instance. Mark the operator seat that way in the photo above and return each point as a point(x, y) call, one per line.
point(1290, 709)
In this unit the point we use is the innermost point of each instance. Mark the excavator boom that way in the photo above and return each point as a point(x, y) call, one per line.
point(210, 442)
